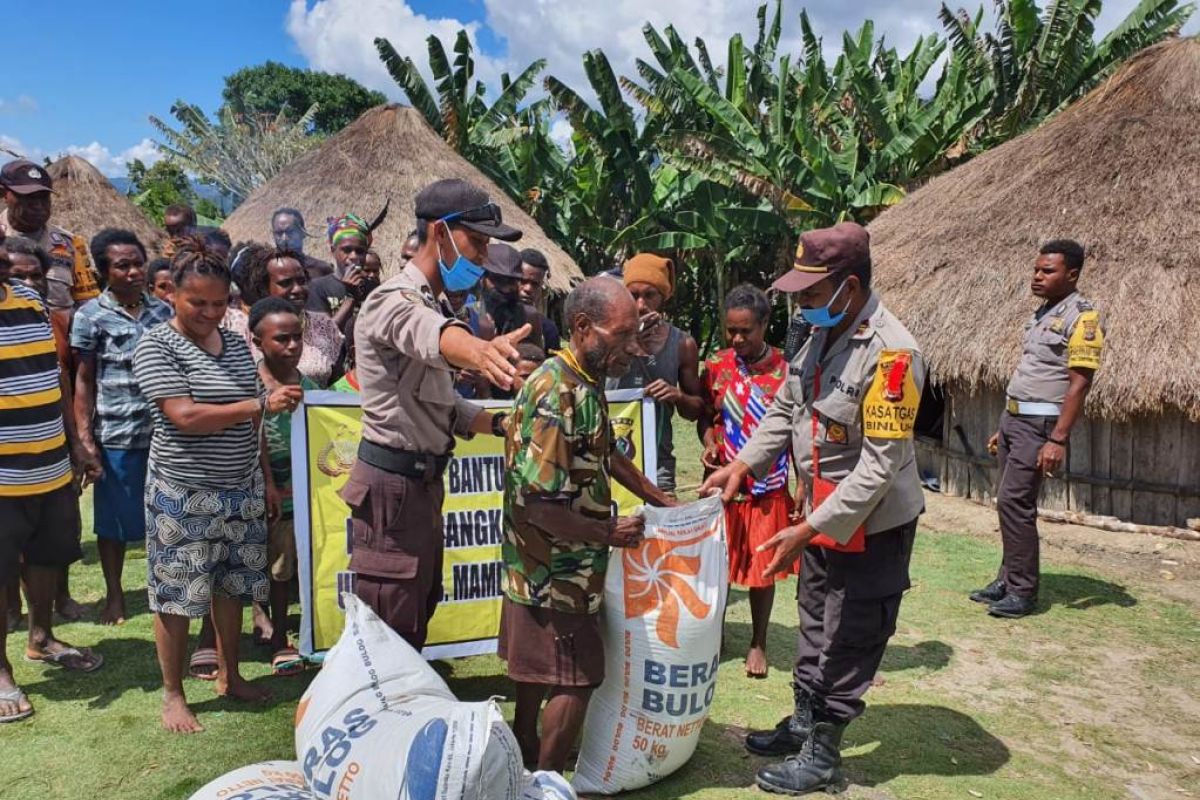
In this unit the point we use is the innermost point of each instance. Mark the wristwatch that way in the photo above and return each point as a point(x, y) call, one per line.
point(498, 423)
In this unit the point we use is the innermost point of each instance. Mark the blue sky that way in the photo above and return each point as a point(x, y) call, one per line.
point(109, 65)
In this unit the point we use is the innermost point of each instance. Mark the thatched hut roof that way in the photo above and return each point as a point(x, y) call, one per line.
point(387, 152)
point(1119, 171)
point(85, 203)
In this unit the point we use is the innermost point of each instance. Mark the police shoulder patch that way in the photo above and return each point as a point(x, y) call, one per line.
point(890, 404)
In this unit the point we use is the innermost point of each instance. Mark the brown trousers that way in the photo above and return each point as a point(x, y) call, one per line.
point(849, 603)
point(396, 547)
point(1016, 499)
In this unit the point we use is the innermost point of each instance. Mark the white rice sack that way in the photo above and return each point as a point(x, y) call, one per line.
point(663, 607)
point(544, 785)
point(379, 722)
point(269, 780)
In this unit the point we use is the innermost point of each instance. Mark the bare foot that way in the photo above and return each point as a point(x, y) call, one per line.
point(177, 717)
point(69, 609)
point(756, 662)
point(113, 611)
point(240, 689)
point(13, 702)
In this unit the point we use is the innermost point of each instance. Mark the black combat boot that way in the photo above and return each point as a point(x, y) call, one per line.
point(1012, 606)
point(790, 734)
point(818, 768)
point(991, 593)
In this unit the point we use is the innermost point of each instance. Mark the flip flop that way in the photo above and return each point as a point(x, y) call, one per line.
point(15, 695)
point(287, 661)
point(203, 658)
point(61, 658)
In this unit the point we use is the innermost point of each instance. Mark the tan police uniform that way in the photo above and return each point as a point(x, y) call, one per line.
point(1068, 335)
point(410, 416)
point(71, 279)
point(848, 602)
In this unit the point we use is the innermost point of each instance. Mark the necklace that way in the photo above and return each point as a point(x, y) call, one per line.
point(130, 306)
point(571, 361)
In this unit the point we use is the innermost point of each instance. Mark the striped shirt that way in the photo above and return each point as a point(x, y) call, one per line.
point(33, 445)
point(109, 333)
point(168, 364)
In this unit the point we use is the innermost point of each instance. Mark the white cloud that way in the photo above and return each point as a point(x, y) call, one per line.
point(339, 36)
point(113, 166)
point(22, 104)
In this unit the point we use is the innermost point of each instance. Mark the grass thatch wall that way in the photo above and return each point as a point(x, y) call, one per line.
point(85, 203)
point(1120, 172)
point(387, 152)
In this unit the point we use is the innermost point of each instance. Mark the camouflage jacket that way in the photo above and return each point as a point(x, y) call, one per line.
point(558, 448)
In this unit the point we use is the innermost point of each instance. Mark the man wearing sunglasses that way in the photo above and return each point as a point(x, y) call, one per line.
point(409, 346)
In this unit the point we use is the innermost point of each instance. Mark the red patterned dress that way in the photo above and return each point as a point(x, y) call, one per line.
point(741, 393)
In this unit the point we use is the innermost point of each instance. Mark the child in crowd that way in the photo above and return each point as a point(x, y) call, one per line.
point(275, 326)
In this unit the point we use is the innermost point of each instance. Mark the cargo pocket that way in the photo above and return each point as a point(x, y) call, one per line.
point(867, 622)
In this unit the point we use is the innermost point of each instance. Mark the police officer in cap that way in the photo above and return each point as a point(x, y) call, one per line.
point(408, 347)
point(27, 190)
point(847, 410)
point(1063, 341)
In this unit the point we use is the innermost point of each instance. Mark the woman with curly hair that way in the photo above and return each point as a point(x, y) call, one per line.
point(280, 273)
point(206, 534)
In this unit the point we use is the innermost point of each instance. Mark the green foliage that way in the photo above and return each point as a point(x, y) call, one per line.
point(236, 153)
point(154, 188)
point(273, 88)
point(722, 167)
point(164, 184)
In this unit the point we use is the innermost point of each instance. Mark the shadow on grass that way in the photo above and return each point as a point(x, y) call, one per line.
point(130, 665)
point(1079, 592)
point(901, 740)
point(920, 740)
point(781, 650)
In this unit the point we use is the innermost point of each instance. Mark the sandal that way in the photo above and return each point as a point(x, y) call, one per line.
point(70, 659)
point(14, 695)
point(287, 661)
point(203, 664)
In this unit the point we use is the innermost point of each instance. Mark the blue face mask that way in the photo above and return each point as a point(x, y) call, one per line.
point(821, 317)
point(462, 274)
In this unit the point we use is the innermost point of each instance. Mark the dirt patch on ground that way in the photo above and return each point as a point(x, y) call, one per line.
point(1171, 566)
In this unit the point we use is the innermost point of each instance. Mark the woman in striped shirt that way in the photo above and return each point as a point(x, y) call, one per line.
point(206, 538)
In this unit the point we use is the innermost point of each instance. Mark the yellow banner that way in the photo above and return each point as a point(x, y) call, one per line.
point(325, 435)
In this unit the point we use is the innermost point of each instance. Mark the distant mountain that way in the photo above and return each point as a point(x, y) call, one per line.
point(203, 190)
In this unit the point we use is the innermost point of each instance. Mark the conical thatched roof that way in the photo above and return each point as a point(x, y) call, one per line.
point(387, 152)
point(1119, 171)
point(85, 203)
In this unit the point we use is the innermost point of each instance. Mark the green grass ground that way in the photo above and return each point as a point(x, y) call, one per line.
point(1091, 697)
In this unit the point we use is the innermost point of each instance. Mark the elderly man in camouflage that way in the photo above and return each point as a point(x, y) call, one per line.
point(559, 522)
point(847, 409)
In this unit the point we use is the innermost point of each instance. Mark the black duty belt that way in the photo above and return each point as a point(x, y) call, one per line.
point(409, 463)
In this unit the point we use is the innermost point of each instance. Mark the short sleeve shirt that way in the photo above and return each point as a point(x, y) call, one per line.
point(277, 429)
point(326, 294)
point(102, 329)
point(1068, 335)
point(558, 448)
point(168, 364)
point(33, 444)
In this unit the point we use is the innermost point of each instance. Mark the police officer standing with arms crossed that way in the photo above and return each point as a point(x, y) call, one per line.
point(1063, 341)
point(408, 347)
point(847, 409)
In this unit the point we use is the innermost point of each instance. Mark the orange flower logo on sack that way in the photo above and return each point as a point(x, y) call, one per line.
point(656, 578)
